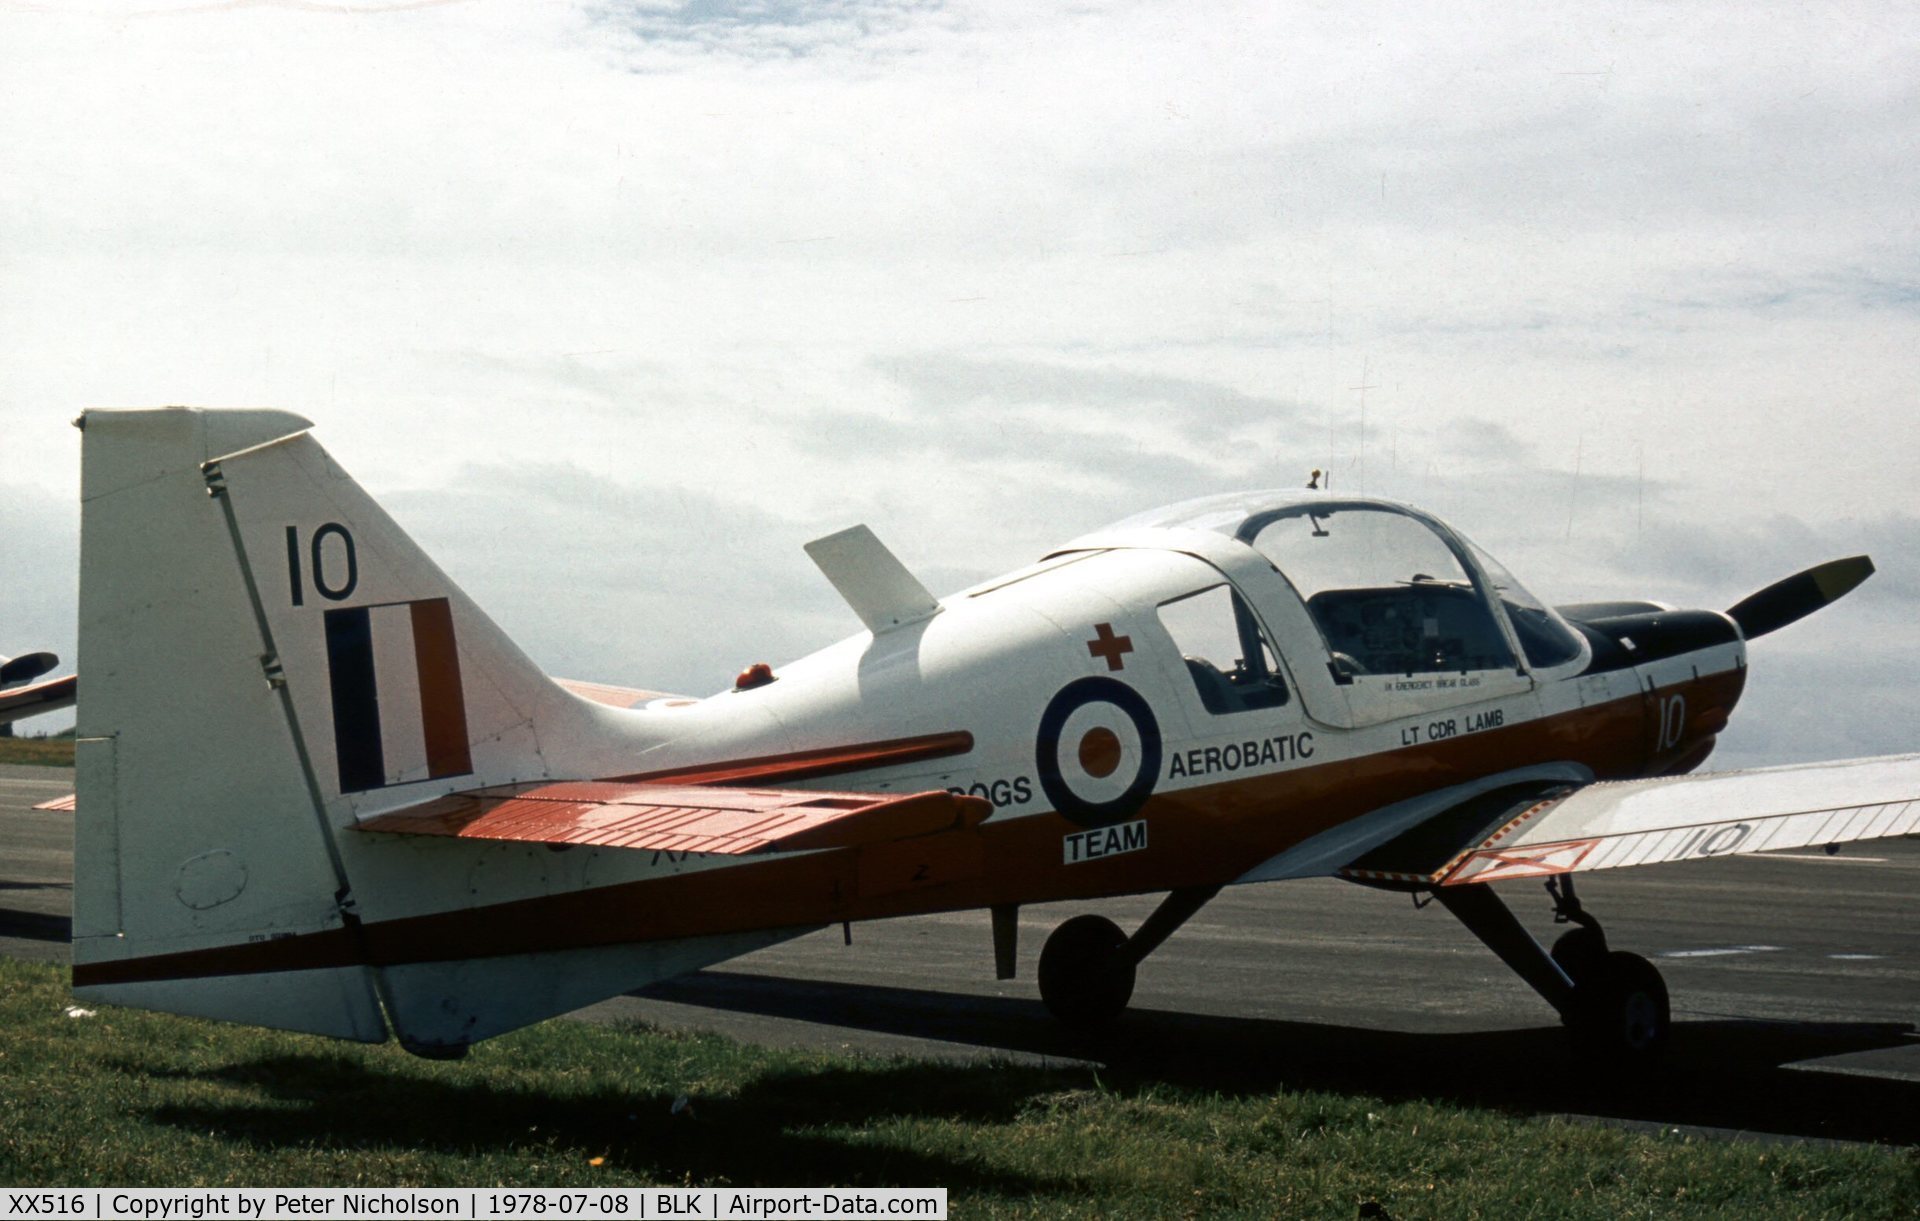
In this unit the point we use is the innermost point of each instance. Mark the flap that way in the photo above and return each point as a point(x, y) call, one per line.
point(684, 818)
point(1430, 849)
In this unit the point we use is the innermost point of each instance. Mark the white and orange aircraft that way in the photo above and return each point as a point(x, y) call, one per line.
point(320, 790)
point(21, 697)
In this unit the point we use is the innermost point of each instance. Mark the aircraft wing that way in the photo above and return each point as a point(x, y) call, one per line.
point(684, 817)
point(1642, 822)
point(50, 696)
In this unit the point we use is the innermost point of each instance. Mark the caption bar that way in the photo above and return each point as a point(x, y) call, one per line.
point(469, 1204)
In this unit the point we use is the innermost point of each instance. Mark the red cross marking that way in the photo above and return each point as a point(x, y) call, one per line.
point(1106, 644)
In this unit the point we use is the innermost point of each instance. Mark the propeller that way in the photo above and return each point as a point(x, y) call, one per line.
point(24, 668)
point(1798, 596)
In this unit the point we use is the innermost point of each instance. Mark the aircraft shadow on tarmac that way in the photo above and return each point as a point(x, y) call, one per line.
point(34, 926)
point(1729, 1074)
point(785, 1128)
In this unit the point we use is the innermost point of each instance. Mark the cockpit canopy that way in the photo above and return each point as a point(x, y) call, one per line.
point(1392, 589)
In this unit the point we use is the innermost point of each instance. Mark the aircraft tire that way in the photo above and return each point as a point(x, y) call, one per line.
point(1085, 976)
point(1581, 953)
point(1622, 1016)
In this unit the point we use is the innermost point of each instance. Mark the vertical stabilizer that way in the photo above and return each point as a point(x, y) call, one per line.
point(268, 658)
point(197, 828)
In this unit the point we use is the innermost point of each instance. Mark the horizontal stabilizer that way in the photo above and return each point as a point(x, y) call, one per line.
point(1645, 822)
point(872, 579)
point(60, 805)
point(684, 818)
point(612, 696)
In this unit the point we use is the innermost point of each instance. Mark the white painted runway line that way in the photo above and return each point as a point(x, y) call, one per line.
point(1720, 952)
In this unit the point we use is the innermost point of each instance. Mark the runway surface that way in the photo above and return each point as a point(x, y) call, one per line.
point(1795, 983)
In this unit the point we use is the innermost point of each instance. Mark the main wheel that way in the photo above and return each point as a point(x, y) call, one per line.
point(1085, 975)
point(1621, 1012)
point(1581, 952)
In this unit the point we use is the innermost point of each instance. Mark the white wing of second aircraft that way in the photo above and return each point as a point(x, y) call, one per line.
point(18, 703)
point(1643, 822)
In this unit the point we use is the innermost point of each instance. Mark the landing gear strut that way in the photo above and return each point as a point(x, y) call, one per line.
point(1581, 949)
point(1087, 966)
point(1621, 1007)
point(1614, 1003)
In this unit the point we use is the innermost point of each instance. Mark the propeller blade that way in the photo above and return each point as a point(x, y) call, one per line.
point(25, 668)
point(1799, 595)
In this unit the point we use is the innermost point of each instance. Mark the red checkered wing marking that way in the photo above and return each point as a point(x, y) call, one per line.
point(1674, 818)
point(683, 818)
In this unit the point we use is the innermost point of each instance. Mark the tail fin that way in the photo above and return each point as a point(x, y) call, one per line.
point(269, 658)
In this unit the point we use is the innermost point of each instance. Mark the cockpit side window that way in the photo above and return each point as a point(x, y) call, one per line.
point(1388, 594)
point(1226, 651)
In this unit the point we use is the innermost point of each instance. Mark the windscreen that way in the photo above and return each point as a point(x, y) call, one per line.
point(1544, 636)
point(1387, 592)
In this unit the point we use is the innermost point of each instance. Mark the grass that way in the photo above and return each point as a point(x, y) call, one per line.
point(125, 1098)
point(56, 751)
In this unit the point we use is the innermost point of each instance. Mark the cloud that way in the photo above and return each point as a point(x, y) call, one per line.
point(652, 587)
point(1103, 426)
point(768, 29)
point(1833, 703)
point(1203, 409)
point(39, 585)
point(1632, 293)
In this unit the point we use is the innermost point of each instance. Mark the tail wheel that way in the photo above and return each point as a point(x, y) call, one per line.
point(1621, 1011)
point(1086, 976)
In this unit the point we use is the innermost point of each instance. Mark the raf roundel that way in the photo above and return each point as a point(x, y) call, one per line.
point(1098, 751)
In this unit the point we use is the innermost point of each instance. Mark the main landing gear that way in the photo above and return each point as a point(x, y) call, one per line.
point(1614, 1003)
point(1087, 965)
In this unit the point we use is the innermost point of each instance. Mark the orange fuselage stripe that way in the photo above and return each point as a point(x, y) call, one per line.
point(1205, 835)
point(814, 764)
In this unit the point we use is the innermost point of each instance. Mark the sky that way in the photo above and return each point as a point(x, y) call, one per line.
point(615, 305)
